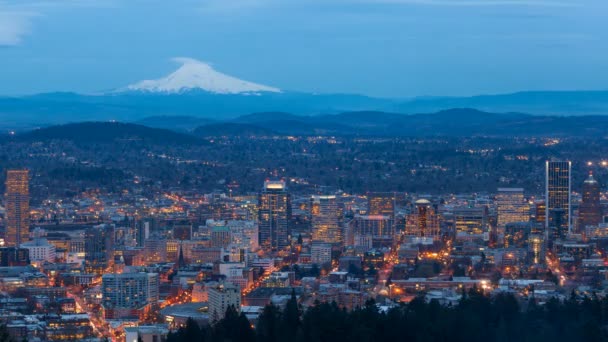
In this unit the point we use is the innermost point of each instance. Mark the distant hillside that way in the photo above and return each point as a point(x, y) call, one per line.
point(232, 129)
point(535, 102)
point(452, 122)
point(60, 108)
point(266, 116)
point(179, 123)
point(106, 132)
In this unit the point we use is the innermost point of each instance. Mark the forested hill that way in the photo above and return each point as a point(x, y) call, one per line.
point(106, 132)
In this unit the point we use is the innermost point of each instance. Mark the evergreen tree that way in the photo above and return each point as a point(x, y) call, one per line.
point(291, 318)
point(268, 325)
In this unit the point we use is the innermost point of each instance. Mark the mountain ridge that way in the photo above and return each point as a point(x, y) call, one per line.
point(461, 122)
point(63, 107)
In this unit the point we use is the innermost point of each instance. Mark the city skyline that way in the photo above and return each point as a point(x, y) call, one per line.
point(318, 170)
point(219, 251)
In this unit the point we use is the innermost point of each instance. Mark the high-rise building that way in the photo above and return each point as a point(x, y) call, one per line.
point(369, 231)
point(14, 256)
point(423, 222)
point(145, 228)
point(326, 219)
point(540, 211)
point(590, 210)
point(320, 253)
point(40, 250)
point(370, 225)
point(17, 200)
point(98, 248)
point(511, 206)
point(155, 250)
point(274, 215)
point(126, 295)
point(471, 222)
point(381, 204)
point(558, 211)
point(222, 297)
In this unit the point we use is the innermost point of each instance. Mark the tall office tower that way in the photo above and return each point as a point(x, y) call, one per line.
point(155, 250)
point(14, 256)
point(540, 211)
point(274, 215)
point(126, 295)
point(471, 222)
point(381, 204)
point(326, 219)
point(362, 230)
point(590, 210)
point(423, 222)
point(511, 206)
point(557, 197)
point(17, 200)
point(320, 253)
point(98, 248)
point(144, 228)
point(222, 297)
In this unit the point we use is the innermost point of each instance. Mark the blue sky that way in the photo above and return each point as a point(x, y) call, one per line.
point(388, 48)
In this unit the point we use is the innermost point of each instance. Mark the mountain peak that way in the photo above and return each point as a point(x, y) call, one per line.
point(197, 75)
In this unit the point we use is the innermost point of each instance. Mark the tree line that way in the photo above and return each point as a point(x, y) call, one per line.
point(475, 318)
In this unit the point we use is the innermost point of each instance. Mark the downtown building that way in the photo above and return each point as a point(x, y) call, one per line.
point(370, 231)
point(471, 223)
point(558, 211)
point(422, 225)
point(590, 209)
point(129, 295)
point(40, 250)
point(326, 220)
point(274, 216)
point(381, 203)
point(17, 199)
point(511, 206)
point(221, 298)
point(98, 249)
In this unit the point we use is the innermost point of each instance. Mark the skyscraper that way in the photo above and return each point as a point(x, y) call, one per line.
point(362, 229)
point(381, 204)
point(17, 207)
point(423, 222)
point(274, 215)
point(557, 197)
point(98, 246)
point(471, 222)
point(326, 219)
point(590, 210)
point(540, 211)
point(125, 295)
point(511, 206)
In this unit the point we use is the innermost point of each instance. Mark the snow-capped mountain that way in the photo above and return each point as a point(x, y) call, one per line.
point(197, 75)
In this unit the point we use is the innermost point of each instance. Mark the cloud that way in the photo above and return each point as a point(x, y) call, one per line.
point(185, 60)
point(14, 25)
point(16, 17)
